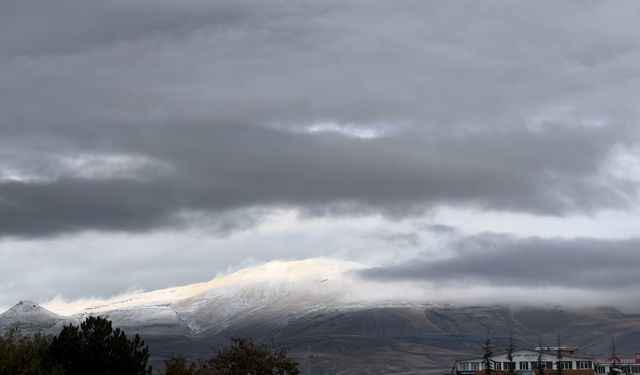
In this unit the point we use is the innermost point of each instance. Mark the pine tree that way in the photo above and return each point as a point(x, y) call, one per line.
point(559, 364)
point(615, 360)
point(487, 357)
point(510, 350)
point(96, 348)
point(540, 364)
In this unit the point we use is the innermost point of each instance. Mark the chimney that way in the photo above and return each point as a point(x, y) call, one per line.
point(637, 357)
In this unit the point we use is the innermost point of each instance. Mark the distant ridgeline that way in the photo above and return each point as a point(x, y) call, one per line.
point(308, 308)
point(545, 360)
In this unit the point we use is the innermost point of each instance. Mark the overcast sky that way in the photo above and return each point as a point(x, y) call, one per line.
point(151, 143)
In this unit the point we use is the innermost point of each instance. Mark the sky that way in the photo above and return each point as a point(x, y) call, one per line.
point(153, 143)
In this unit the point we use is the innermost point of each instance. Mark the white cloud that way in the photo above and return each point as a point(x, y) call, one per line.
point(108, 166)
point(347, 130)
point(39, 167)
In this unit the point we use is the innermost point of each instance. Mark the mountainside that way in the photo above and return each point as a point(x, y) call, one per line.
point(29, 317)
point(308, 307)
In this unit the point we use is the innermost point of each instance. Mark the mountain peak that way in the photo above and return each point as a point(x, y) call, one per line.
point(30, 317)
point(26, 308)
point(28, 303)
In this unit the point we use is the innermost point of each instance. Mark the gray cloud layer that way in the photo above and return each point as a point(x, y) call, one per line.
point(504, 261)
point(503, 106)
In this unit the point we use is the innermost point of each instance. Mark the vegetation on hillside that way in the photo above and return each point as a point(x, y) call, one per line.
point(95, 347)
point(22, 355)
point(242, 357)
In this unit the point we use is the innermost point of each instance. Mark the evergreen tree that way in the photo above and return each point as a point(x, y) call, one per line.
point(559, 369)
point(488, 353)
point(26, 355)
point(243, 357)
point(615, 359)
point(540, 364)
point(96, 348)
point(510, 350)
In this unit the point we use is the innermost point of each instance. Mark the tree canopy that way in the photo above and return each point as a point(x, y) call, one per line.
point(242, 357)
point(95, 347)
point(24, 355)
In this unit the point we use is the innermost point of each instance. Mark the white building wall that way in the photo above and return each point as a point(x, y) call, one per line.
point(605, 368)
point(526, 360)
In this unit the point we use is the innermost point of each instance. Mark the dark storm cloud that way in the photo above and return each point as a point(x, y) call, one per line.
point(499, 106)
point(222, 171)
point(39, 27)
point(503, 261)
point(74, 204)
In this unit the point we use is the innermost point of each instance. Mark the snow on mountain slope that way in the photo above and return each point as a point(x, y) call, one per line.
point(28, 316)
point(272, 294)
point(272, 291)
point(29, 310)
point(276, 278)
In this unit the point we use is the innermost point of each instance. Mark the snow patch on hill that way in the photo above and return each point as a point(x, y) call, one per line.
point(29, 310)
point(28, 316)
point(273, 293)
point(255, 285)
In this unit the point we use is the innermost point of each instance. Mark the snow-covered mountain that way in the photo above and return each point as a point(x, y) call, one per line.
point(28, 317)
point(319, 305)
point(273, 292)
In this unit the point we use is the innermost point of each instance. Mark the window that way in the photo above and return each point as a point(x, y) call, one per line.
point(497, 366)
point(524, 365)
point(635, 369)
point(583, 365)
point(508, 365)
point(601, 369)
point(475, 366)
point(565, 365)
point(544, 365)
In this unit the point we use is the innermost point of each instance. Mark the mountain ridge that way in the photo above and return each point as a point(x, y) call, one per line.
point(310, 305)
